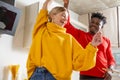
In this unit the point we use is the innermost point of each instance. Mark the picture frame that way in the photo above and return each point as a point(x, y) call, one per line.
point(9, 18)
point(11, 2)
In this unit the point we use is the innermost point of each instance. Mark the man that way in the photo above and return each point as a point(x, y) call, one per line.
point(105, 60)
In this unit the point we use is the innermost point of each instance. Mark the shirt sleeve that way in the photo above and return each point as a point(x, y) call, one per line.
point(71, 29)
point(110, 57)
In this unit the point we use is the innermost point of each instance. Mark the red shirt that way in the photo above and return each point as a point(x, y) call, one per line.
point(104, 55)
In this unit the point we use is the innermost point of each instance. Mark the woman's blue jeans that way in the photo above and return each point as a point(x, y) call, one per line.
point(41, 74)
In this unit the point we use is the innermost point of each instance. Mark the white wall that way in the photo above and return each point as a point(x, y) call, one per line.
point(9, 55)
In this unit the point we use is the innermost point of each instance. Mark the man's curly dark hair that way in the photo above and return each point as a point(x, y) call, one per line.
point(99, 16)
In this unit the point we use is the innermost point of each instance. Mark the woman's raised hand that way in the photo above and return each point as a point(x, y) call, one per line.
point(97, 39)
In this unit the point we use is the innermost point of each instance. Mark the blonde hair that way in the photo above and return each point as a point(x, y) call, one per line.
point(55, 11)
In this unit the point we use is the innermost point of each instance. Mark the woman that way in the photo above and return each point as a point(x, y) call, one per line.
point(54, 53)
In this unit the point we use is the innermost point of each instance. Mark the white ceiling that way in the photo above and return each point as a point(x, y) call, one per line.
point(87, 6)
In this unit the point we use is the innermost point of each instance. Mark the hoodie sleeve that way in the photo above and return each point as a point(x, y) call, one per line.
point(83, 59)
point(42, 19)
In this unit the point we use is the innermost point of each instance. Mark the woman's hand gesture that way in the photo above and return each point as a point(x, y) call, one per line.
point(97, 39)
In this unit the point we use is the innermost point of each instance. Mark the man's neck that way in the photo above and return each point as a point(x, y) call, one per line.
point(92, 33)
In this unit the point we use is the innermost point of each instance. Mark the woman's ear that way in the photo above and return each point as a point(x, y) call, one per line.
point(50, 17)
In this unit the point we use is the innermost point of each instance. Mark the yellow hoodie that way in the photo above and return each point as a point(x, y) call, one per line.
point(57, 51)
